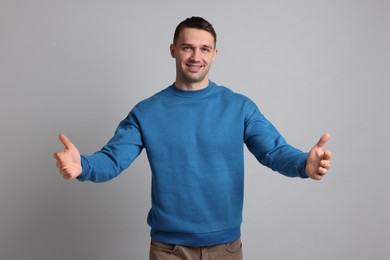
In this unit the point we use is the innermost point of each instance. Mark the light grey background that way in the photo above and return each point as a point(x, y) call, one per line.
point(78, 67)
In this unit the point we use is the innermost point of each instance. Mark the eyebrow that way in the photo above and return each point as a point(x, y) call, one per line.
point(191, 45)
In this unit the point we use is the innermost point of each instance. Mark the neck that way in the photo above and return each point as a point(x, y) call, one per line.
point(192, 86)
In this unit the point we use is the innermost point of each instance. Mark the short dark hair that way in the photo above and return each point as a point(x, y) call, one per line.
point(197, 23)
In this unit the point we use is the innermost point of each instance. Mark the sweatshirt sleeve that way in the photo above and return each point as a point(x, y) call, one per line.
point(123, 148)
point(270, 148)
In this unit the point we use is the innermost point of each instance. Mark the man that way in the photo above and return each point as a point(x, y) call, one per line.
point(193, 132)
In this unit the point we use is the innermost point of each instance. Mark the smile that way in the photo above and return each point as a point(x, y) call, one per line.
point(194, 66)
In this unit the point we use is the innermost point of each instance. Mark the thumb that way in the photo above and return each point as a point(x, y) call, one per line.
point(65, 141)
point(323, 140)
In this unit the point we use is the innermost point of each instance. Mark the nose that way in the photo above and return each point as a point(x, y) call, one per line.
point(195, 54)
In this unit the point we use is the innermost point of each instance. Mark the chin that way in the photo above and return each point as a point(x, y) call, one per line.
point(195, 80)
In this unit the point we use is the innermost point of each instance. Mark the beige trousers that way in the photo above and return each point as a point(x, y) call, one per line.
point(162, 251)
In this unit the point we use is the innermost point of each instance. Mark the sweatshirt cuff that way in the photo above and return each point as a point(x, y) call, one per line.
point(302, 167)
point(85, 169)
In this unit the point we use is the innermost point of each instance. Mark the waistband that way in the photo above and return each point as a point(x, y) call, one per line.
point(197, 239)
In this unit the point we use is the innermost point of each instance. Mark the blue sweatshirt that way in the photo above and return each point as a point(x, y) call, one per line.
point(194, 141)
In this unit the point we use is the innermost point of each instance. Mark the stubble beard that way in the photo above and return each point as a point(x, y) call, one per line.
point(188, 77)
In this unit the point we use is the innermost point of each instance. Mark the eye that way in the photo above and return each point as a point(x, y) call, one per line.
point(186, 49)
point(205, 50)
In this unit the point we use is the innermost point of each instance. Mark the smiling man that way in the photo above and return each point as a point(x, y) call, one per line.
point(194, 133)
point(194, 51)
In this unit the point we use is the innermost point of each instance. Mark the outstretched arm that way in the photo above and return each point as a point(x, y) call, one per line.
point(68, 161)
point(318, 161)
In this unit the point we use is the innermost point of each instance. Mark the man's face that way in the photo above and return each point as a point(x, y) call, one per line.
point(194, 52)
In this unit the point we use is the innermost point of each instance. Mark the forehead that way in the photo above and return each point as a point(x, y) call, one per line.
point(195, 36)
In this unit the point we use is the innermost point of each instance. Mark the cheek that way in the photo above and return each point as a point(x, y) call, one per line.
point(214, 57)
point(184, 57)
point(210, 59)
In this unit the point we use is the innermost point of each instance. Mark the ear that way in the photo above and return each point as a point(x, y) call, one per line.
point(172, 50)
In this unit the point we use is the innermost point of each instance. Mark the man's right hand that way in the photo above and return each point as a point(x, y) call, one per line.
point(68, 161)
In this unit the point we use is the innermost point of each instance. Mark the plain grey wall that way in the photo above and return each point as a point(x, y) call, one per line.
point(78, 67)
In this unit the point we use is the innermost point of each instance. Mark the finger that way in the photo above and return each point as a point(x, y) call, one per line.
point(325, 164)
point(61, 166)
point(67, 175)
point(59, 162)
point(65, 141)
point(322, 171)
point(323, 140)
point(56, 155)
point(59, 157)
point(61, 171)
point(317, 177)
point(327, 155)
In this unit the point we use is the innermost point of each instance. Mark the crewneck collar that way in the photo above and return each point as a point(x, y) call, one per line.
point(192, 93)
